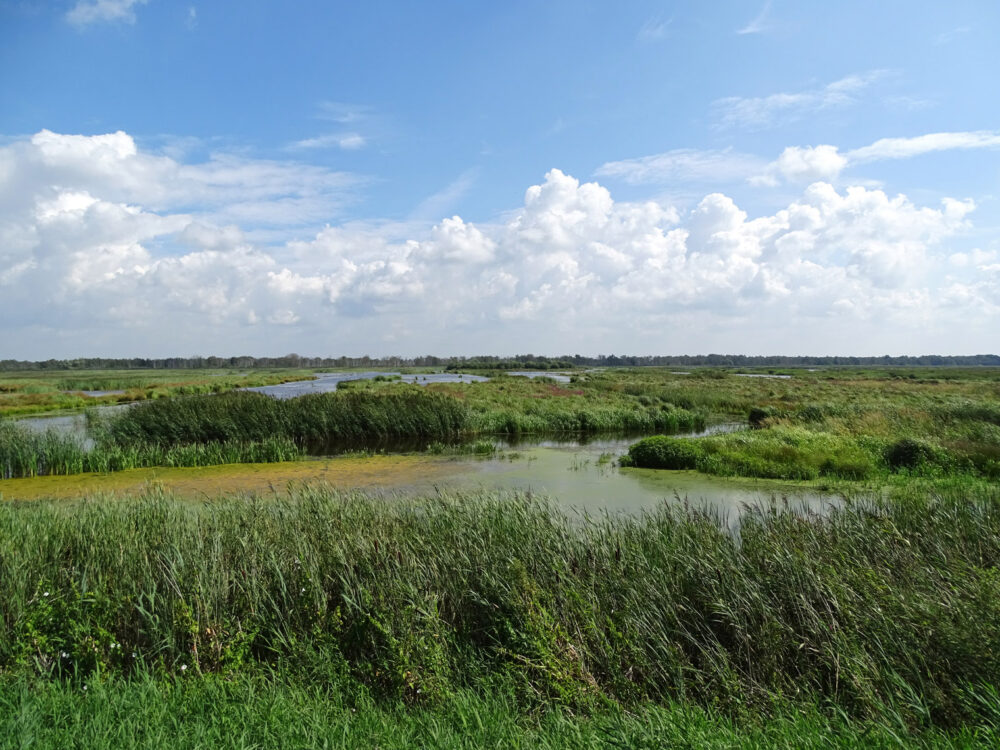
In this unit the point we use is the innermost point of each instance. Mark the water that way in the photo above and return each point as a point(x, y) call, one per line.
point(73, 424)
point(326, 382)
point(559, 377)
point(586, 479)
point(761, 375)
point(580, 473)
point(566, 440)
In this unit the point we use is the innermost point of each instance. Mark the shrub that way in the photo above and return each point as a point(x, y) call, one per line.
point(758, 416)
point(662, 452)
point(908, 453)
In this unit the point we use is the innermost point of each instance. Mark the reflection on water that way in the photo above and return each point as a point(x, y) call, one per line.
point(600, 441)
point(73, 424)
point(559, 377)
point(587, 479)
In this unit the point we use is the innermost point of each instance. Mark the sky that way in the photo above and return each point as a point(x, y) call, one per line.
point(565, 177)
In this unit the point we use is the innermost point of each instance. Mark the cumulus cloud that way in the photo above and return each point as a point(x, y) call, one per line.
point(765, 111)
point(87, 12)
point(224, 188)
point(90, 245)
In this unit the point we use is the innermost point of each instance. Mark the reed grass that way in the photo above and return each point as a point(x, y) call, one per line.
point(881, 610)
point(25, 453)
point(393, 410)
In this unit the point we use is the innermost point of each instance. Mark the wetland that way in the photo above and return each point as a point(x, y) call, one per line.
point(779, 557)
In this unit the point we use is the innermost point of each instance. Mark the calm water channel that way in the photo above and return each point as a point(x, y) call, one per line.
point(586, 478)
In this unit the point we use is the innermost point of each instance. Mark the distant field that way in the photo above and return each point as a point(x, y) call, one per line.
point(25, 393)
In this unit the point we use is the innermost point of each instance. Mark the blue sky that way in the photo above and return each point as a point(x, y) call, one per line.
point(755, 177)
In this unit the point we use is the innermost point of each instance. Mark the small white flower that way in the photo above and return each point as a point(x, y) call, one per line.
point(84, 687)
point(64, 655)
point(45, 594)
point(134, 654)
point(184, 667)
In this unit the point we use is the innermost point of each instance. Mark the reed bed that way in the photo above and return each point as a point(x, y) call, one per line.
point(878, 609)
point(24, 453)
point(376, 413)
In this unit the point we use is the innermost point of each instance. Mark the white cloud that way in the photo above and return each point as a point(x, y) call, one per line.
point(904, 148)
point(758, 24)
point(947, 37)
point(344, 112)
point(225, 188)
point(803, 164)
point(85, 253)
point(825, 162)
point(346, 141)
point(684, 165)
point(653, 30)
point(443, 201)
point(87, 12)
point(765, 111)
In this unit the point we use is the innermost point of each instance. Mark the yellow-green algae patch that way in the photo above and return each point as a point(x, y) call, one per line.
point(392, 472)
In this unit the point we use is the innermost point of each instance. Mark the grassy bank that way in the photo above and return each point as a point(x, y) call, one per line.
point(881, 611)
point(268, 713)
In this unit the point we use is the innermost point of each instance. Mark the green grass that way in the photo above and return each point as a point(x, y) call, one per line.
point(884, 611)
point(800, 453)
point(25, 393)
point(835, 424)
point(382, 410)
point(271, 713)
point(25, 453)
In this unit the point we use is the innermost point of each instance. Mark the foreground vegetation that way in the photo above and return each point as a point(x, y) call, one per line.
point(464, 621)
point(883, 611)
point(271, 712)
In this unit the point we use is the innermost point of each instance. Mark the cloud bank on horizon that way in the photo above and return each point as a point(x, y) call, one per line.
point(746, 239)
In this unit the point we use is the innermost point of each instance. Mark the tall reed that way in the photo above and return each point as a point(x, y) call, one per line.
point(880, 606)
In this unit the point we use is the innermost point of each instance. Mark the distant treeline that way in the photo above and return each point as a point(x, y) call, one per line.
point(520, 361)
